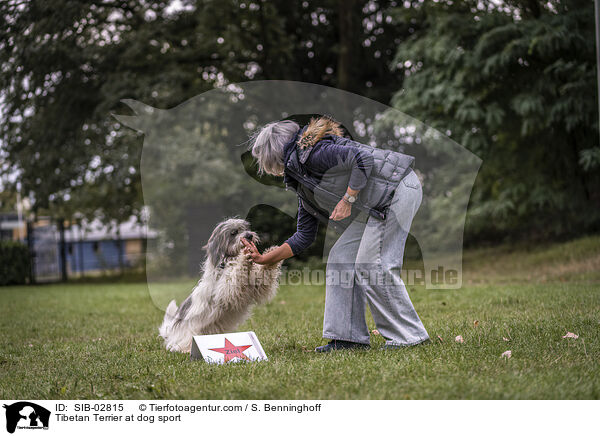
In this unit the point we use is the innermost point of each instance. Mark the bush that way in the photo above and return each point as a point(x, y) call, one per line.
point(14, 263)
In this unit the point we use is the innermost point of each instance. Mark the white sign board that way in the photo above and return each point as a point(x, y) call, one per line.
point(227, 347)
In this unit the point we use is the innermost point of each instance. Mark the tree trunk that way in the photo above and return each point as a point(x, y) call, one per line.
point(348, 28)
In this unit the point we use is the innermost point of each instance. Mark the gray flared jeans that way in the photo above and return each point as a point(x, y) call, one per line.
point(363, 265)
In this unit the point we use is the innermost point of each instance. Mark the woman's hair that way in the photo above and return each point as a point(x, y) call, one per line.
point(268, 143)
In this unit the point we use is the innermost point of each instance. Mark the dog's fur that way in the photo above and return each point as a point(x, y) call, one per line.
point(230, 285)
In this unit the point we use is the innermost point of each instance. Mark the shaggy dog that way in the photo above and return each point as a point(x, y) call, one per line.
point(230, 285)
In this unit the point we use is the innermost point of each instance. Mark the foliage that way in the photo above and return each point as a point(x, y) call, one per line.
point(516, 85)
point(14, 263)
point(512, 81)
point(66, 64)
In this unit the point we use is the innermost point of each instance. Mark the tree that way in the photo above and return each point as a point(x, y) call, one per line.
point(66, 64)
point(513, 83)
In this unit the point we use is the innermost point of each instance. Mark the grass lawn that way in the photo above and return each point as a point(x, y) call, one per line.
point(99, 341)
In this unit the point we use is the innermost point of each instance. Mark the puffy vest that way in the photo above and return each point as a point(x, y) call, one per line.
point(320, 193)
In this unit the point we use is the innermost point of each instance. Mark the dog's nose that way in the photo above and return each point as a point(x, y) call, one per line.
point(248, 236)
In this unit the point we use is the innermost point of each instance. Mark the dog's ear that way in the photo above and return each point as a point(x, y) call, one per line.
point(216, 247)
point(209, 252)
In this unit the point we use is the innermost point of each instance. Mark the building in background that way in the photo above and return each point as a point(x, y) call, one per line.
point(87, 249)
point(11, 227)
point(95, 248)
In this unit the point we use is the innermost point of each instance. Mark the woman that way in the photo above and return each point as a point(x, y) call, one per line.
point(368, 194)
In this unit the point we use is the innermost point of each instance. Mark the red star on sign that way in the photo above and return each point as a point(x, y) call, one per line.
point(231, 351)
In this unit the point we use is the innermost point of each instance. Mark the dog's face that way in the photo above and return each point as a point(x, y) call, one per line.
point(226, 240)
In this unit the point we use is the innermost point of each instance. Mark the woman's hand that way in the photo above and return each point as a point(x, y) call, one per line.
point(251, 250)
point(342, 210)
point(272, 256)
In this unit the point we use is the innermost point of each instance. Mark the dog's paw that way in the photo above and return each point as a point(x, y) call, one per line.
point(245, 258)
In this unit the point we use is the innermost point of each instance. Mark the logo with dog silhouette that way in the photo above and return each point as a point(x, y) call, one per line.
point(26, 415)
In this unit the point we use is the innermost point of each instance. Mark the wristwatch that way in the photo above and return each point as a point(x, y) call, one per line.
point(349, 198)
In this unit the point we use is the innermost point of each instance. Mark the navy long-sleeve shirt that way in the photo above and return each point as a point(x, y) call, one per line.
point(326, 155)
point(306, 230)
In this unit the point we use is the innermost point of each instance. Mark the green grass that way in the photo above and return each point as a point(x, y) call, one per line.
point(99, 341)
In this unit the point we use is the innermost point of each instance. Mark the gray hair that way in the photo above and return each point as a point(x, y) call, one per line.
point(268, 143)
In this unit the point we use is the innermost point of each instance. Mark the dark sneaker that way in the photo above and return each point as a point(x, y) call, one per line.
point(341, 345)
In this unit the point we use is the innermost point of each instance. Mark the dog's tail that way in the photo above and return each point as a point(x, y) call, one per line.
point(163, 330)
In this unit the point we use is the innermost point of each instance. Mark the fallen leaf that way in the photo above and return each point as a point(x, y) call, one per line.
point(505, 339)
point(507, 354)
point(459, 339)
point(476, 323)
point(570, 335)
point(440, 339)
point(375, 332)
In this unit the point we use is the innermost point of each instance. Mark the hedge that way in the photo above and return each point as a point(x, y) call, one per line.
point(14, 263)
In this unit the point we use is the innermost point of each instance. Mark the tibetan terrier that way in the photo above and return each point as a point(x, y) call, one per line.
point(230, 285)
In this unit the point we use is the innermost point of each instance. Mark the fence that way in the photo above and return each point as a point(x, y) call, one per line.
point(59, 253)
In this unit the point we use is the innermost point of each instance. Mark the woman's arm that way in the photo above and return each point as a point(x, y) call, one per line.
point(306, 230)
point(344, 154)
point(344, 208)
point(306, 233)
